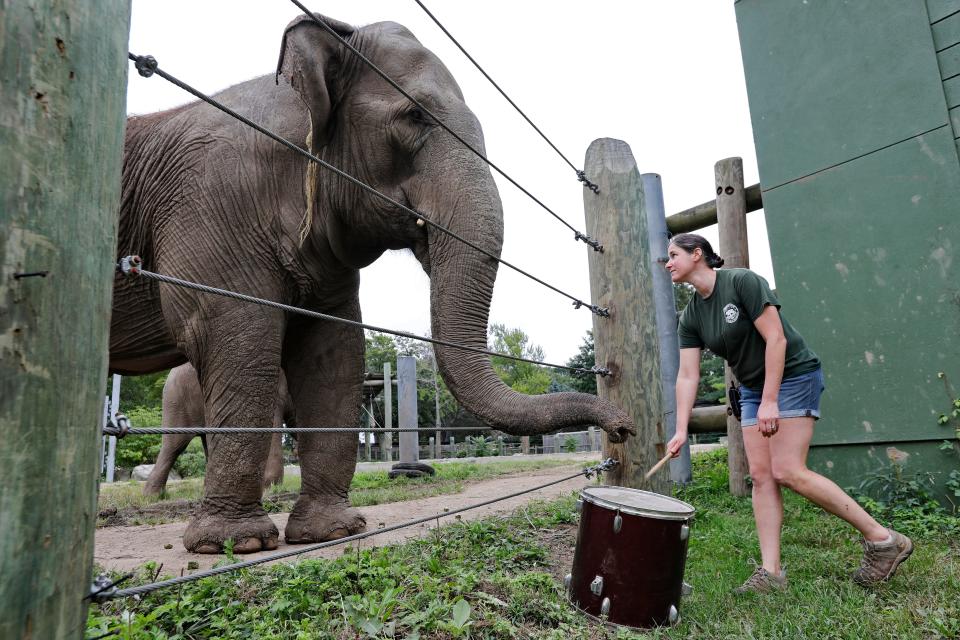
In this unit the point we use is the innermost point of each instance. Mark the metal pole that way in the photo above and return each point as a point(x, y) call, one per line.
point(407, 408)
point(112, 442)
point(369, 435)
point(436, 398)
point(666, 307)
point(387, 439)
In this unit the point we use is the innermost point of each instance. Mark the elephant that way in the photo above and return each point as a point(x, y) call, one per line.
point(183, 407)
point(208, 199)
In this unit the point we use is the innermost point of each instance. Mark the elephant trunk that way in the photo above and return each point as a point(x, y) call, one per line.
point(462, 282)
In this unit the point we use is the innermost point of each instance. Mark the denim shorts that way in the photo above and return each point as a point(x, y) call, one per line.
point(799, 398)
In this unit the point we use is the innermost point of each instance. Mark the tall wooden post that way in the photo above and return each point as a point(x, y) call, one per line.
point(732, 221)
point(621, 280)
point(387, 439)
point(407, 408)
point(63, 72)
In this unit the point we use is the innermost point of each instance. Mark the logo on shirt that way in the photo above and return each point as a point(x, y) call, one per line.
point(731, 313)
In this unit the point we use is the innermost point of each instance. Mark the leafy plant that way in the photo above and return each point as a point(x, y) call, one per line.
point(481, 446)
point(570, 444)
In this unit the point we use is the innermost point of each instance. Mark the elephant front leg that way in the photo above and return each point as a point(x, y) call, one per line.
point(324, 365)
point(239, 371)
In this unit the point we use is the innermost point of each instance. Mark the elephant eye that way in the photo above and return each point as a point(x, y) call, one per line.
point(417, 115)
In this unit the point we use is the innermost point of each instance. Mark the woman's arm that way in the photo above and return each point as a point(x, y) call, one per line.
point(688, 377)
point(771, 328)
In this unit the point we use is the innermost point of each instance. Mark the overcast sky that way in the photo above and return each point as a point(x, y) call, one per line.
point(666, 77)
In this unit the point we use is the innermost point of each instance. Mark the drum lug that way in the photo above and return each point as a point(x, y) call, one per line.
point(673, 615)
point(684, 532)
point(567, 579)
point(596, 587)
point(579, 505)
point(617, 523)
point(605, 607)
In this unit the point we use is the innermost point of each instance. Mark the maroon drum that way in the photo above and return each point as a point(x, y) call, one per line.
point(630, 556)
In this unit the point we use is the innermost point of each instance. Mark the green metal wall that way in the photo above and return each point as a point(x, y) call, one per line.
point(855, 111)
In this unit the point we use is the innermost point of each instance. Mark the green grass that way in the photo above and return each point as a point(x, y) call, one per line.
point(496, 578)
point(368, 487)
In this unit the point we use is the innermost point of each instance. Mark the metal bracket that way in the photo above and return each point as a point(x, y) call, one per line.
point(617, 522)
point(130, 265)
point(596, 587)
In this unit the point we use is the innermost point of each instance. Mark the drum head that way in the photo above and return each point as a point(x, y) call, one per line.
point(638, 502)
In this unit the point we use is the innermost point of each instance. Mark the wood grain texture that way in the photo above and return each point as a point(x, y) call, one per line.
point(63, 70)
point(734, 249)
point(620, 279)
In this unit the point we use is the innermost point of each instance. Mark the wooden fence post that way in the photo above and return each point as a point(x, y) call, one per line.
point(621, 280)
point(732, 221)
point(407, 408)
point(63, 72)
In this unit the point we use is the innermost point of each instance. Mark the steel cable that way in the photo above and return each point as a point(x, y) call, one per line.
point(577, 234)
point(148, 588)
point(148, 66)
point(581, 176)
point(130, 266)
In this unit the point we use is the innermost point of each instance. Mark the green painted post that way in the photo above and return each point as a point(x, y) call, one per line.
point(627, 342)
point(63, 71)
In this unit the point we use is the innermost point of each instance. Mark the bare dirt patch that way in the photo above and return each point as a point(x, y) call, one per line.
point(125, 547)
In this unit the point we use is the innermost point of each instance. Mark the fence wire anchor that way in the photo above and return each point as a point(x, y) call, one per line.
point(30, 274)
point(588, 240)
point(603, 372)
point(603, 312)
point(146, 65)
point(104, 589)
point(130, 265)
point(117, 429)
point(582, 177)
point(598, 469)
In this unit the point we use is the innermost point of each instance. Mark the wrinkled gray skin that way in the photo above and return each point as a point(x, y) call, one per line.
point(207, 199)
point(183, 407)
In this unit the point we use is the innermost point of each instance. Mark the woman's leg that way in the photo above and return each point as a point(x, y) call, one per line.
point(788, 449)
point(767, 501)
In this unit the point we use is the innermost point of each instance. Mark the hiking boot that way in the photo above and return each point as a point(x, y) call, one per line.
point(881, 559)
point(762, 581)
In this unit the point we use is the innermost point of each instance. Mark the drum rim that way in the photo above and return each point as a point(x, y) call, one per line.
point(659, 515)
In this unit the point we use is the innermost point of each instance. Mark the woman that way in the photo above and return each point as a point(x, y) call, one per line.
point(735, 314)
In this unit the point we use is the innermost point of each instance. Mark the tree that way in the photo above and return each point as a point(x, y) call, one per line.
point(585, 359)
point(523, 377)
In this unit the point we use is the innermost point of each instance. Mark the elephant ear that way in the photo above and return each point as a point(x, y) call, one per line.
point(309, 58)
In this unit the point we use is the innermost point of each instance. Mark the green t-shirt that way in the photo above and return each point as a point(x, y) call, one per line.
point(723, 323)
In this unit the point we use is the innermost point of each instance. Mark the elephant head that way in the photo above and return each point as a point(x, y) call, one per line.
point(367, 128)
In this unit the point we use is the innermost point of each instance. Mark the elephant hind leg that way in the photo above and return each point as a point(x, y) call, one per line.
point(273, 471)
point(170, 449)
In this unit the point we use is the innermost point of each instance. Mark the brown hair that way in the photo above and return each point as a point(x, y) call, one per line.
point(690, 241)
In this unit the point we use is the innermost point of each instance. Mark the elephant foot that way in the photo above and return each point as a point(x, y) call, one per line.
point(318, 520)
point(251, 530)
point(153, 488)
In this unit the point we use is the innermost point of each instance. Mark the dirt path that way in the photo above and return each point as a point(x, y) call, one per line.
point(124, 548)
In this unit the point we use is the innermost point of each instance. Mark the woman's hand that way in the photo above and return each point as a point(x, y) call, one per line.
point(768, 418)
point(676, 443)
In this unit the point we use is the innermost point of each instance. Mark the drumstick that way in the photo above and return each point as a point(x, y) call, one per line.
point(658, 466)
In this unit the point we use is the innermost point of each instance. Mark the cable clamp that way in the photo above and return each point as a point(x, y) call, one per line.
point(603, 312)
point(117, 429)
point(590, 241)
point(130, 265)
point(582, 177)
point(598, 469)
point(104, 589)
point(603, 372)
point(146, 65)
